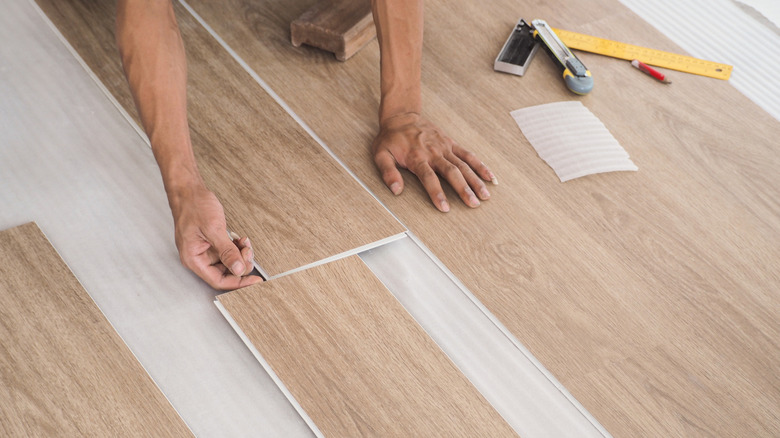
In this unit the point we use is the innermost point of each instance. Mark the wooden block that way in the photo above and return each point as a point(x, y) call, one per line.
point(63, 368)
point(355, 360)
point(339, 26)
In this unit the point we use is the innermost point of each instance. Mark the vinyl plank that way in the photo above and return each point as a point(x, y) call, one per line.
point(355, 360)
point(600, 269)
point(65, 370)
point(274, 181)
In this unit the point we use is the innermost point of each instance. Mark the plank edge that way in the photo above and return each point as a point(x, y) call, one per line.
point(245, 339)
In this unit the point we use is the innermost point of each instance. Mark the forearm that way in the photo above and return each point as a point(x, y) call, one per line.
point(155, 65)
point(399, 26)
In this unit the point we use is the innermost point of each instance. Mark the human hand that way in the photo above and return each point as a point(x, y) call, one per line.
point(411, 142)
point(203, 242)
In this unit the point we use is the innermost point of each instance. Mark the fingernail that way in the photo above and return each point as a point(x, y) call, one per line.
point(484, 193)
point(443, 204)
point(248, 244)
point(395, 188)
point(473, 201)
point(233, 236)
point(251, 254)
point(237, 268)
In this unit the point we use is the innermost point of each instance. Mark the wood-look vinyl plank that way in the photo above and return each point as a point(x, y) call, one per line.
point(65, 371)
point(355, 360)
point(276, 183)
point(595, 271)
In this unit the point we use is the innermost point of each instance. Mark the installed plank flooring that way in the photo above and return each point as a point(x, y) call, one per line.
point(613, 281)
point(276, 183)
point(65, 371)
point(355, 360)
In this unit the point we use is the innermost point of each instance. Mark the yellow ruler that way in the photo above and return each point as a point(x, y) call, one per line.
point(654, 57)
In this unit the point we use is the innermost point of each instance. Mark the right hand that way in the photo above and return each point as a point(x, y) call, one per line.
point(203, 242)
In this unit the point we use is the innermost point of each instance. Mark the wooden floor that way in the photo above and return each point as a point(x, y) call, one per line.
point(274, 181)
point(355, 360)
point(652, 296)
point(65, 371)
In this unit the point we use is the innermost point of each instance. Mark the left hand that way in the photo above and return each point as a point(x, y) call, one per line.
point(411, 142)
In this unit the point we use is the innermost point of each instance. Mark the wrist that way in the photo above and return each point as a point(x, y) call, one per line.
point(399, 120)
point(181, 190)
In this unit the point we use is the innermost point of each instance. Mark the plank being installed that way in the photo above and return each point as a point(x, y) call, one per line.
point(276, 183)
point(649, 295)
point(355, 360)
point(65, 371)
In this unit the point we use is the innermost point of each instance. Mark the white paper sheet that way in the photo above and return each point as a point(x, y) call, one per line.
point(572, 140)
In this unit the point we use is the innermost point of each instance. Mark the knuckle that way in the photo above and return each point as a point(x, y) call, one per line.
point(226, 253)
point(416, 157)
point(450, 171)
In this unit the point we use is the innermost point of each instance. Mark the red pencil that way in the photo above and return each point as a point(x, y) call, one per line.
point(651, 71)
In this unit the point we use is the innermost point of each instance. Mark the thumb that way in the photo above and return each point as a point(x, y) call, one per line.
point(390, 175)
point(229, 253)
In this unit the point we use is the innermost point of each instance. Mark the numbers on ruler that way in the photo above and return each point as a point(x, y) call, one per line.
point(654, 57)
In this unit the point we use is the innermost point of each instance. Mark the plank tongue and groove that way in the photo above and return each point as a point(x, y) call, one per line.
point(355, 360)
point(276, 184)
point(650, 296)
point(63, 368)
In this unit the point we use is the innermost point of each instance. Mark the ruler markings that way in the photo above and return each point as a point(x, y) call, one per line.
point(649, 56)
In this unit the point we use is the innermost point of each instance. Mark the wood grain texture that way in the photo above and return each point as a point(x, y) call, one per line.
point(65, 371)
point(339, 26)
point(355, 360)
point(665, 268)
point(276, 183)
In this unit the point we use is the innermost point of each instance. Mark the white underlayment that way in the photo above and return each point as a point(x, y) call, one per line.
point(768, 9)
point(70, 162)
point(719, 30)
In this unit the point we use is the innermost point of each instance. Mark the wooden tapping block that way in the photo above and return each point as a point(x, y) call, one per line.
point(339, 26)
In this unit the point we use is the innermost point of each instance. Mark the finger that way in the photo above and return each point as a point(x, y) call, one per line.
point(390, 175)
point(430, 181)
point(229, 254)
point(454, 176)
point(244, 246)
point(476, 184)
point(247, 255)
point(471, 159)
point(219, 277)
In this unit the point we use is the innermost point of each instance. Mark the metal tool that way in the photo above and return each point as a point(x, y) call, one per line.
point(518, 51)
point(576, 76)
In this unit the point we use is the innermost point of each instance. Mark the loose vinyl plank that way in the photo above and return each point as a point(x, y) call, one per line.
point(276, 184)
point(65, 371)
point(597, 271)
point(355, 360)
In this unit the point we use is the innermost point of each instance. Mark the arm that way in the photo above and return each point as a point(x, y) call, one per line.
point(155, 65)
point(406, 139)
